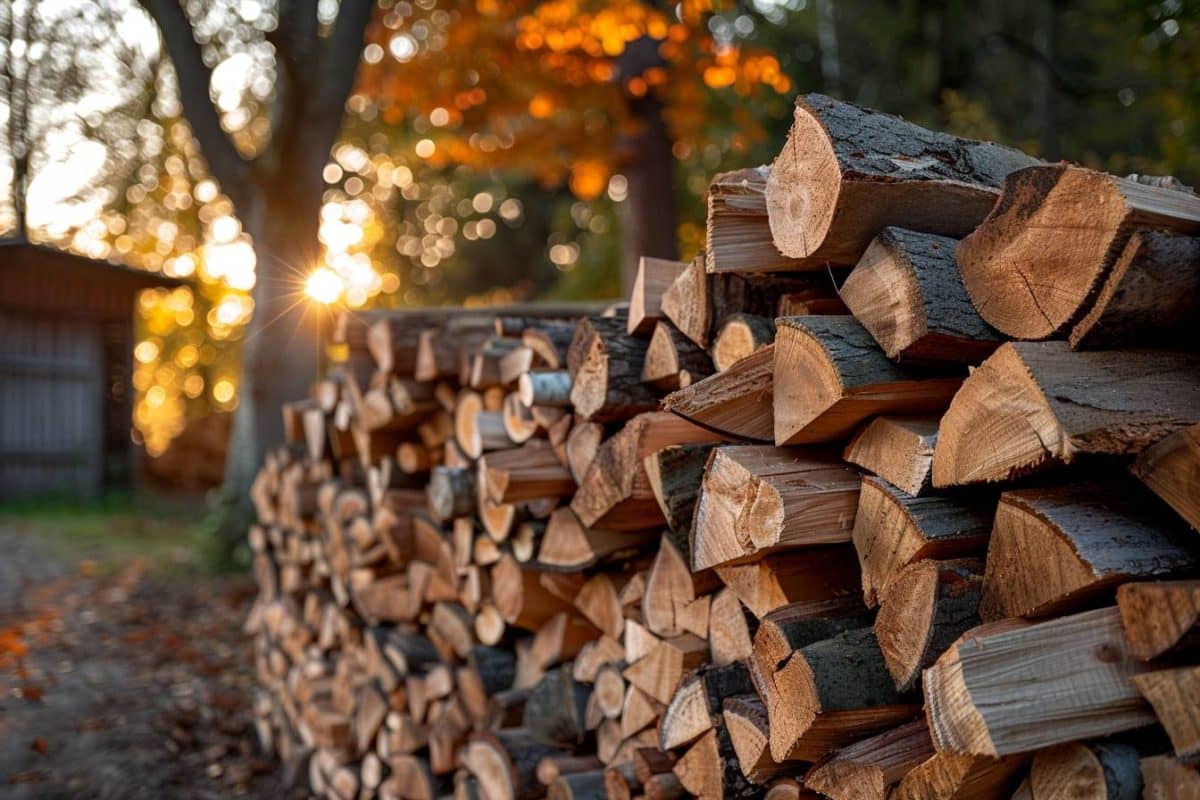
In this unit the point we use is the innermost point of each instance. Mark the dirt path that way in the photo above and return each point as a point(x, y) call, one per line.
point(121, 681)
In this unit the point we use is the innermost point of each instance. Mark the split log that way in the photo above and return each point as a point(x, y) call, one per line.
point(505, 763)
point(530, 472)
point(654, 277)
point(709, 769)
point(1103, 770)
point(737, 400)
point(745, 719)
point(845, 173)
point(831, 693)
point(924, 610)
point(738, 232)
point(797, 625)
point(756, 499)
point(907, 292)
point(452, 492)
point(729, 633)
point(830, 376)
point(867, 769)
point(673, 360)
point(675, 474)
point(977, 694)
point(660, 671)
point(554, 709)
point(1148, 297)
point(822, 573)
point(897, 449)
point(957, 776)
point(1160, 618)
point(1166, 778)
point(578, 786)
point(1037, 260)
point(696, 704)
point(741, 335)
point(1171, 468)
point(1052, 551)
point(1173, 694)
point(615, 492)
point(568, 545)
point(1035, 405)
point(605, 364)
point(520, 596)
point(638, 713)
point(581, 446)
point(687, 302)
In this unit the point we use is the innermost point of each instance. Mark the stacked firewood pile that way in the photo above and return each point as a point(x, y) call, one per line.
point(891, 493)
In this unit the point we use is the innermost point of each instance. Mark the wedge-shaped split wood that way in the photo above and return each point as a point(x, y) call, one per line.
point(605, 364)
point(1103, 770)
point(741, 335)
point(924, 610)
point(654, 277)
point(531, 472)
point(1150, 296)
point(1171, 468)
point(505, 763)
point(756, 499)
point(845, 173)
point(1037, 260)
point(569, 545)
point(957, 776)
point(897, 449)
point(675, 474)
point(1173, 693)
point(745, 719)
point(1038, 405)
point(696, 704)
point(1160, 618)
point(737, 401)
point(907, 292)
point(709, 769)
point(978, 695)
point(738, 233)
point(1054, 550)
point(660, 671)
point(615, 492)
point(821, 573)
point(867, 769)
point(1168, 778)
point(830, 375)
point(893, 529)
point(673, 360)
point(831, 693)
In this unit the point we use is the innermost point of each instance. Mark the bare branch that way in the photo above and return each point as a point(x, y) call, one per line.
point(224, 161)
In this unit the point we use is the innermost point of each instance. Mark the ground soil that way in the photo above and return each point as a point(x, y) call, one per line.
point(123, 680)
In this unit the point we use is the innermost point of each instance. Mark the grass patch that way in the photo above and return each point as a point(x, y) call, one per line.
point(167, 534)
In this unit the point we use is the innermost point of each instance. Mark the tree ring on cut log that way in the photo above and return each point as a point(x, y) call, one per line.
point(803, 187)
point(808, 387)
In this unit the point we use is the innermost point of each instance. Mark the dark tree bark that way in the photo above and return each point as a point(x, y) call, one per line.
point(277, 196)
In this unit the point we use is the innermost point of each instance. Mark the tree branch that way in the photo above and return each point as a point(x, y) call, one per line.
point(339, 64)
point(224, 161)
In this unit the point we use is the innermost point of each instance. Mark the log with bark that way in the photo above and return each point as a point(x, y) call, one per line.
point(1171, 468)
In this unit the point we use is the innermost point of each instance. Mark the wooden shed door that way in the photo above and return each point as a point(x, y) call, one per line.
point(51, 407)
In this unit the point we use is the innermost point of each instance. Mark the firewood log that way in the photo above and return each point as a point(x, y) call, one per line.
point(756, 499)
point(923, 611)
point(775, 581)
point(1033, 404)
point(569, 545)
point(615, 491)
point(868, 768)
point(1160, 618)
point(830, 693)
point(1107, 771)
point(578, 786)
point(845, 173)
point(672, 360)
point(661, 670)
point(452, 492)
point(696, 704)
point(738, 232)
point(520, 597)
point(794, 626)
point(545, 388)
point(654, 277)
point(957, 776)
point(581, 446)
point(977, 696)
point(830, 376)
point(1172, 693)
point(745, 720)
point(1166, 778)
point(736, 401)
point(687, 302)
point(505, 763)
point(897, 449)
point(1148, 297)
point(669, 588)
point(605, 364)
point(1171, 468)
point(729, 633)
point(709, 769)
point(741, 335)
point(675, 474)
point(1032, 266)
point(907, 292)
point(550, 768)
point(638, 712)
point(529, 472)
point(554, 709)
point(1054, 550)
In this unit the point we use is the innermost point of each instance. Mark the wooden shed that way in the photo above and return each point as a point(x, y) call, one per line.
point(66, 342)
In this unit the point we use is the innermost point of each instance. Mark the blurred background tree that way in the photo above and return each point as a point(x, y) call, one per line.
point(411, 151)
